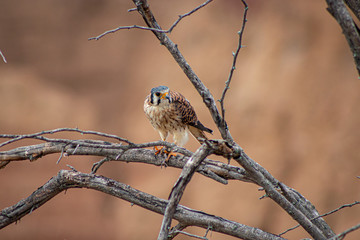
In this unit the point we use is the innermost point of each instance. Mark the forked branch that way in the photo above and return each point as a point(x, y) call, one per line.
point(152, 29)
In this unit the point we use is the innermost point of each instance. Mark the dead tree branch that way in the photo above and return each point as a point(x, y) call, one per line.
point(215, 170)
point(3, 57)
point(235, 57)
point(149, 28)
point(343, 234)
point(66, 179)
point(38, 135)
point(354, 5)
point(339, 11)
point(323, 215)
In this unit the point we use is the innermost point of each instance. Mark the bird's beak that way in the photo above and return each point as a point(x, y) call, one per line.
point(165, 95)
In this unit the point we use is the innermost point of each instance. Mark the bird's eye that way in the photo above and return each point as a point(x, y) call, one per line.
point(157, 94)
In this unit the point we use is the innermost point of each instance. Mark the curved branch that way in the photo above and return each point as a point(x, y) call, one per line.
point(343, 234)
point(323, 215)
point(129, 153)
point(149, 28)
point(15, 137)
point(339, 11)
point(67, 179)
point(235, 57)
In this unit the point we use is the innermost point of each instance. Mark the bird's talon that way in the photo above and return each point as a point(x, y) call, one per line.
point(169, 155)
point(158, 149)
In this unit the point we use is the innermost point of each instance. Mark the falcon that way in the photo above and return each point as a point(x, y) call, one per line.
point(170, 112)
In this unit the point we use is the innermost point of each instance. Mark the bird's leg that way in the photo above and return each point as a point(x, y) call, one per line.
point(160, 149)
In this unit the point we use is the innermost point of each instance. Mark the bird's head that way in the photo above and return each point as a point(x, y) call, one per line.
point(160, 96)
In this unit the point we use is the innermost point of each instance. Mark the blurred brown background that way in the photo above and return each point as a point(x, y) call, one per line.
point(293, 106)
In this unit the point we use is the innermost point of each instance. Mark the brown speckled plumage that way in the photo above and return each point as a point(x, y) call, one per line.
point(170, 112)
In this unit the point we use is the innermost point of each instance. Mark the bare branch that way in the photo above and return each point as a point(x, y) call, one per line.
point(343, 234)
point(186, 15)
point(3, 57)
point(192, 235)
point(354, 5)
point(116, 152)
point(300, 209)
point(235, 56)
point(15, 138)
point(125, 27)
point(339, 11)
point(149, 28)
point(174, 231)
point(323, 215)
point(66, 179)
point(179, 188)
point(339, 208)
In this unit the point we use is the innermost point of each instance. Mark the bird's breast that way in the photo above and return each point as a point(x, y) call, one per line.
point(163, 118)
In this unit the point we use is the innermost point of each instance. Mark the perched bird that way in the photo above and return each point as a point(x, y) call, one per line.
point(170, 112)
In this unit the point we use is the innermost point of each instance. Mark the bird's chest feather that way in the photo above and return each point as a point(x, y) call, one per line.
point(164, 118)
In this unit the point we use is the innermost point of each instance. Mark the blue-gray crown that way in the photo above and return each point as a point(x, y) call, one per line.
point(159, 89)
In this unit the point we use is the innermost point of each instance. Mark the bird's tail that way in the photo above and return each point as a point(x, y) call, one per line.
point(198, 134)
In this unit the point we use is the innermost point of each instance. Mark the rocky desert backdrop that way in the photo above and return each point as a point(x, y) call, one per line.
point(293, 106)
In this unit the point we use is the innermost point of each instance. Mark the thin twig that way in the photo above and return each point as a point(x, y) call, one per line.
point(235, 56)
point(3, 57)
point(186, 15)
point(149, 28)
point(98, 164)
point(174, 231)
point(125, 27)
point(34, 135)
point(343, 234)
point(61, 155)
point(323, 215)
point(191, 235)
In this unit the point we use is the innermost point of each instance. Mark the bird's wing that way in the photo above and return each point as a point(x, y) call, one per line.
point(186, 111)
